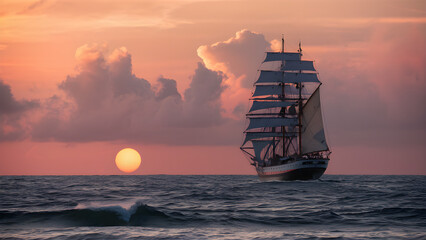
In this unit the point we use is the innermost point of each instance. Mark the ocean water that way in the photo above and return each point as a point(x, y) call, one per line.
point(212, 207)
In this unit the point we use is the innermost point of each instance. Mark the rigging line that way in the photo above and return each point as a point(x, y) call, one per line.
point(266, 152)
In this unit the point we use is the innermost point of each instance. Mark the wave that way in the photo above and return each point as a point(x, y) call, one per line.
point(395, 213)
point(139, 214)
point(345, 210)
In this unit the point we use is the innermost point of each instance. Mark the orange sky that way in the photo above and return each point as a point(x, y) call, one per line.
point(171, 79)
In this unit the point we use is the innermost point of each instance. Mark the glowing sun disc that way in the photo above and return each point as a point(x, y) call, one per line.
point(128, 160)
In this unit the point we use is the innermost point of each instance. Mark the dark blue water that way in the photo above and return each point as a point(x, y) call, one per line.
point(211, 207)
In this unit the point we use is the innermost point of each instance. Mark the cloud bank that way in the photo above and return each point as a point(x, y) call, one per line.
point(371, 98)
point(105, 101)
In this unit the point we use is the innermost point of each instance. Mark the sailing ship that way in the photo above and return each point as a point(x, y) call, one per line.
point(285, 137)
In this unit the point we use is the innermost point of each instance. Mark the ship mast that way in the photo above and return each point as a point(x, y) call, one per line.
point(300, 105)
point(283, 94)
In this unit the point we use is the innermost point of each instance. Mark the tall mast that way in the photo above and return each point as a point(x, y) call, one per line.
point(283, 94)
point(300, 105)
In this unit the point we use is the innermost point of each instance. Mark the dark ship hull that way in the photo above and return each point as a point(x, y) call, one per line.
point(299, 170)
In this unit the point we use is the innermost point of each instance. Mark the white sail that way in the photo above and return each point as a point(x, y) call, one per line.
point(313, 137)
point(286, 77)
point(280, 56)
point(268, 90)
point(271, 122)
point(258, 135)
point(259, 145)
point(258, 105)
point(262, 90)
point(299, 66)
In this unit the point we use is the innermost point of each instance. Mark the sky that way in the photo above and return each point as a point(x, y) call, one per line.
point(81, 80)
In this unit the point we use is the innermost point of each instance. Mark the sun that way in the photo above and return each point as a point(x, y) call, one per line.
point(128, 160)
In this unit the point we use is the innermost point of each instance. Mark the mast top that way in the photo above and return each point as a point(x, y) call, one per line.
point(282, 44)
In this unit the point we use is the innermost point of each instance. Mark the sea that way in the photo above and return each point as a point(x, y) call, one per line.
point(212, 207)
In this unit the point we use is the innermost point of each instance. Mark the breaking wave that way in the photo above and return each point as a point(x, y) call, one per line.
point(138, 214)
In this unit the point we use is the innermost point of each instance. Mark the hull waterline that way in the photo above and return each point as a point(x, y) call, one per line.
point(297, 174)
point(299, 170)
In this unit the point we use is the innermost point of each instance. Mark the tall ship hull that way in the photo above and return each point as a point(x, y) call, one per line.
point(307, 169)
point(285, 137)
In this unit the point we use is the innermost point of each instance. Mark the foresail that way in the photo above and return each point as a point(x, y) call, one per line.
point(259, 145)
point(259, 135)
point(269, 90)
point(259, 105)
point(271, 122)
point(299, 66)
point(268, 76)
point(263, 90)
point(280, 56)
point(313, 136)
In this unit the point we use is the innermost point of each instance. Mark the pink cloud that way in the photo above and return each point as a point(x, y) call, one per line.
point(13, 114)
point(108, 102)
point(239, 58)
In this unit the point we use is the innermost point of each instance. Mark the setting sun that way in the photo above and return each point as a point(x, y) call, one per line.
point(128, 160)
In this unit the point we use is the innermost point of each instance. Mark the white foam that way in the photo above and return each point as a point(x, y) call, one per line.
point(125, 209)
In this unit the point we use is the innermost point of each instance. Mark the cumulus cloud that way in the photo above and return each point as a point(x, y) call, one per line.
point(106, 101)
point(240, 56)
point(202, 98)
point(168, 88)
point(12, 112)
